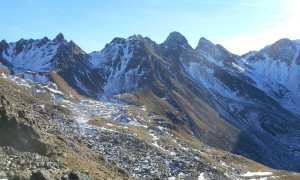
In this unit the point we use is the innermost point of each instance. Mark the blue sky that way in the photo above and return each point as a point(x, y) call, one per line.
point(239, 26)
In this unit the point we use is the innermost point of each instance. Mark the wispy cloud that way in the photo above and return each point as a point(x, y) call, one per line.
point(257, 40)
point(253, 41)
point(276, 16)
point(284, 25)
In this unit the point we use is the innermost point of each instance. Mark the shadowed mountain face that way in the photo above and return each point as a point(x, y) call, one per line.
point(246, 104)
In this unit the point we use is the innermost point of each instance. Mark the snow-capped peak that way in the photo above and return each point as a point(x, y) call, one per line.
point(276, 69)
point(30, 56)
point(117, 48)
point(34, 55)
point(283, 50)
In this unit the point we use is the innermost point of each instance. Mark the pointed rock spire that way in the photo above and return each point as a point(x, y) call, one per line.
point(175, 38)
point(60, 37)
point(205, 45)
point(4, 41)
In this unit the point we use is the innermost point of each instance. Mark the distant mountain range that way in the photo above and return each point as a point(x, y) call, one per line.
point(249, 104)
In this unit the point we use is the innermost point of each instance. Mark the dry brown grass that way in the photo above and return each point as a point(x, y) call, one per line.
point(141, 133)
point(9, 88)
point(5, 71)
point(167, 141)
point(64, 86)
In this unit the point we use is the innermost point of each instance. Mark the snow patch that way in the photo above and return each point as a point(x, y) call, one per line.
point(239, 68)
point(202, 177)
point(33, 56)
point(250, 174)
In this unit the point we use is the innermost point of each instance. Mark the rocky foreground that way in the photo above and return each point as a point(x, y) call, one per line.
point(33, 145)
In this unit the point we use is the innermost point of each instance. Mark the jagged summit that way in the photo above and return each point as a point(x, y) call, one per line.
point(205, 45)
point(283, 50)
point(39, 54)
point(175, 39)
point(281, 43)
point(3, 45)
point(60, 37)
point(119, 40)
point(136, 37)
point(3, 41)
point(22, 40)
point(45, 40)
point(204, 40)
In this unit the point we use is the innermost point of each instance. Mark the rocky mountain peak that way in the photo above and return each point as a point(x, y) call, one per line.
point(136, 37)
point(3, 41)
point(217, 53)
point(117, 40)
point(120, 40)
point(205, 45)
point(284, 42)
point(284, 50)
point(75, 48)
point(203, 40)
point(175, 39)
point(45, 39)
point(3, 45)
point(21, 40)
point(60, 37)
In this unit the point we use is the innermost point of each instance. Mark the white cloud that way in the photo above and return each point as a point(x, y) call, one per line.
point(276, 16)
point(287, 27)
point(292, 9)
point(254, 41)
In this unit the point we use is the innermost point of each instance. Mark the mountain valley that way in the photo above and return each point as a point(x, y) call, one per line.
point(142, 110)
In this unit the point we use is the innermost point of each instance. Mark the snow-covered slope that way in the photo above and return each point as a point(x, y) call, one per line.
point(124, 63)
point(34, 55)
point(37, 54)
point(276, 70)
point(238, 94)
point(39, 59)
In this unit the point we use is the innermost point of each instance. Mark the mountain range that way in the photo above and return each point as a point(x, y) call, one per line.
point(247, 105)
